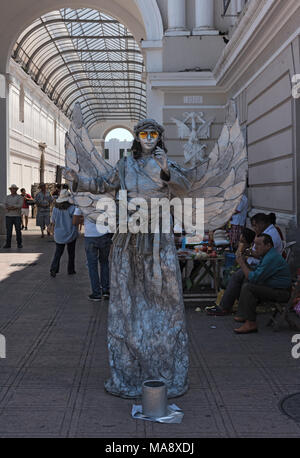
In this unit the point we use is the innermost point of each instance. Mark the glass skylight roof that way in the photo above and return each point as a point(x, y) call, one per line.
point(88, 57)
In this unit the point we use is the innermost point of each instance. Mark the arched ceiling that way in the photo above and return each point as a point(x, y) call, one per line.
point(82, 55)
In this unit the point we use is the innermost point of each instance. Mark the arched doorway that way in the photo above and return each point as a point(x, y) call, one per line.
point(120, 133)
point(117, 144)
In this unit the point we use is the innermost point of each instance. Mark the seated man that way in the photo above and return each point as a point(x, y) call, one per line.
point(270, 281)
point(261, 225)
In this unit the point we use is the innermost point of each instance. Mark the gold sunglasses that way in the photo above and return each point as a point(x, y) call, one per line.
point(153, 134)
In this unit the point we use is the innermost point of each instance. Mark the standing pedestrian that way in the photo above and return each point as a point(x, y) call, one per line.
point(13, 204)
point(97, 248)
point(25, 208)
point(43, 200)
point(65, 233)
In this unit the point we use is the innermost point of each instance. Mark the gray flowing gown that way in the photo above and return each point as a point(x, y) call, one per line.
point(147, 335)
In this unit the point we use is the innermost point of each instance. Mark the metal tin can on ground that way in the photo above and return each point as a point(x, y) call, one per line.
point(154, 398)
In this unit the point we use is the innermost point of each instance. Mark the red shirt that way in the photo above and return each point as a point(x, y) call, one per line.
point(28, 196)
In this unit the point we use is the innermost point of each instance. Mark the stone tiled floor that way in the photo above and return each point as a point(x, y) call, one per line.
point(51, 383)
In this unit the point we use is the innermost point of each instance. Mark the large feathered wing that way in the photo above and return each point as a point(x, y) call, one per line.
point(83, 158)
point(221, 179)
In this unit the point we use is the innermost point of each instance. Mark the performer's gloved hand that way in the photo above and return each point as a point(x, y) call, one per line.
point(162, 160)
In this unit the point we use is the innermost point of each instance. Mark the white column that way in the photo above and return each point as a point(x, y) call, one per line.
point(177, 18)
point(42, 147)
point(204, 18)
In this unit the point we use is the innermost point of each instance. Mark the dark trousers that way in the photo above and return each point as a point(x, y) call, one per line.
point(97, 251)
point(10, 222)
point(252, 295)
point(233, 290)
point(58, 254)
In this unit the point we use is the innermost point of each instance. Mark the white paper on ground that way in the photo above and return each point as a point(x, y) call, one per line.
point(175, 415)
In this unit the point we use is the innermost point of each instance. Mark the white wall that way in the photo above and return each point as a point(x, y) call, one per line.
point(40, 119)
point(267, 108)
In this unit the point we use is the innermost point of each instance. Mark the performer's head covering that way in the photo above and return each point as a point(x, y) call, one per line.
point(142, 125)
point(148, 124)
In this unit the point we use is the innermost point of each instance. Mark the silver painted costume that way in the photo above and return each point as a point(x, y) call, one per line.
point(147, 335)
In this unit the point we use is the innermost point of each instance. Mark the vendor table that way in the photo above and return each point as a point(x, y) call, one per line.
point(195, 270)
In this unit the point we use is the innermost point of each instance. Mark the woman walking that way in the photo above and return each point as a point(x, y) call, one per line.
point(65, 233)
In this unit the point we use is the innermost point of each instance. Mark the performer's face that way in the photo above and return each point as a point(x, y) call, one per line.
point(148, 139)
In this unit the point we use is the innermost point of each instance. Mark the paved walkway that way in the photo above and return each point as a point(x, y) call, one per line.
point(51, 382)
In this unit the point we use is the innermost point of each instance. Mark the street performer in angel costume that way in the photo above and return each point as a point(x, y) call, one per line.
point(147, 337)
